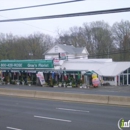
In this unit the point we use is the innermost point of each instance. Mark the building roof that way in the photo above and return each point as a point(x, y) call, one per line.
point(69, 49)
point(102, 68)
point(113, 68)
point(86, 66)
point(91, 60)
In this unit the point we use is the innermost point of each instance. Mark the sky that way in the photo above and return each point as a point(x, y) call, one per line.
point(54, 26)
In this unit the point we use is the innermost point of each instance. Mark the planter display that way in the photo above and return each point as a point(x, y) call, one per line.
point(69, 86)
point(23, 82)
point(18, 83)
point(29, 84)
point(60, 84)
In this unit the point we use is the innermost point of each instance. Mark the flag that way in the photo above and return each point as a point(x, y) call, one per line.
point(73, 76)
point(65, 75)
point(56, 78)
point(10, 75)
point(69, 77)
point(79, 76)
point(53, 74)
point(59, 75)
point(62, 77)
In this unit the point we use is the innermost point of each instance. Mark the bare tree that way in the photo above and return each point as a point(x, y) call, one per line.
point(121, 34)
point(14, 47)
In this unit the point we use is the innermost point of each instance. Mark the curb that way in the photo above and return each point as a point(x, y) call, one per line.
point(84, 98)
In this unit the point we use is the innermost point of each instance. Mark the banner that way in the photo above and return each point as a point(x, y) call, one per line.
point(41, 77)
point(56, 61)
point(62, 56)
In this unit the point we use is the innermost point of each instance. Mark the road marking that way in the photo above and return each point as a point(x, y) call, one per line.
point(49, 118)
point(73, 92)
point(71, 110)
point(13, 128)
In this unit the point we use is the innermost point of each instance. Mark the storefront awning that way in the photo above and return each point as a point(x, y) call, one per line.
point(89, 72)
point(26, 64)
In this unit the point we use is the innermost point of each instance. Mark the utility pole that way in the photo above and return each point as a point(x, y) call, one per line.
point(108, 52)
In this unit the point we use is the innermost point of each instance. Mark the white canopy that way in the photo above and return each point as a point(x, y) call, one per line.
point(102, 68)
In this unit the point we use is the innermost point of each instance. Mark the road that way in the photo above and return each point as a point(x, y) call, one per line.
point(33, 114)
point(109, 90)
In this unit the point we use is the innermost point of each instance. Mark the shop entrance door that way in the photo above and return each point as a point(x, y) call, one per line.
point(121, 80)
point(125, 79)
point(129, 79)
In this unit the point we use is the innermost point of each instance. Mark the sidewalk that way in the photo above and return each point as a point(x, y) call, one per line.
point(101, 90)
point(124, 88)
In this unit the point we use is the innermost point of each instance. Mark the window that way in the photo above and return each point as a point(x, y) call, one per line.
point(129, 70)
point(56, 49)
point(125, 71)
point(108, 78)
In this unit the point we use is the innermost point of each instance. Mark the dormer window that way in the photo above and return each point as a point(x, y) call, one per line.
point(56, 49)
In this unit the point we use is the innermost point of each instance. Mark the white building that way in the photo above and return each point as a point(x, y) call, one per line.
point(114, 73)
point(70, 52)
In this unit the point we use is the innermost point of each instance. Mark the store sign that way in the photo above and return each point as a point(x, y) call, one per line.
point(41, 77)
point(27, 64)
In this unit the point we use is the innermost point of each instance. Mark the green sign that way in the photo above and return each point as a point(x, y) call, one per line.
point(26, 64)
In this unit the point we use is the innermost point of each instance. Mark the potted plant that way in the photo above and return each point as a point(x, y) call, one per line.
point(0, 80)
point(60, 84)
point(17, 82)
point(73, 83)
point(64, 84)
point(28, 81)
point(23, 82)
point(12, 81)
point(55, 85)
point(8, 80)
point(51, 82)
point(69, 85)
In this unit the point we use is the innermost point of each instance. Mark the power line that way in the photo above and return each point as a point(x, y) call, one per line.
point(119, 10)
point(31, 25)
point(34, 6)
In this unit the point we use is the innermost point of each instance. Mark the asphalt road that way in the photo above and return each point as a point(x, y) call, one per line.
point(33, 114)
point(108, 90)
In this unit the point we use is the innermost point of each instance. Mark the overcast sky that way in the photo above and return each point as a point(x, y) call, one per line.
point(51, 26)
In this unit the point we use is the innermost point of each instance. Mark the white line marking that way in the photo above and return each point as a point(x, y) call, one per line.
point(73, 92)
point(49, 118)
point(13, 128)
point(71, 110)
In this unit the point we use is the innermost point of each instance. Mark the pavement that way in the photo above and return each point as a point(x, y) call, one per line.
point(34, 114)
point(102, 90)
